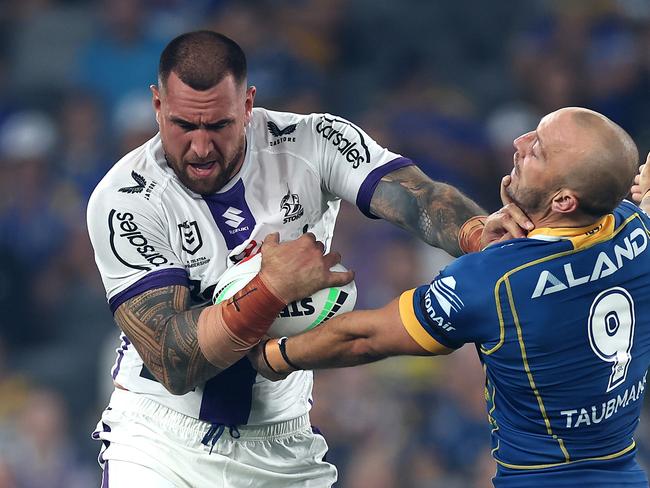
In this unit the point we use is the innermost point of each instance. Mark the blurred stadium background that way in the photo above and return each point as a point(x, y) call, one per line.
point(449, 84)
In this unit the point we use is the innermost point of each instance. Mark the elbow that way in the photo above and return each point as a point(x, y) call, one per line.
point(365, 351)
point(177, 389)
point(175, 385)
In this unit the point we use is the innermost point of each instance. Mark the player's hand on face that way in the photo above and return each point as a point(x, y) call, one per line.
point(509, 222)
point(641, 184)
point(297, 269)
point(256, 358)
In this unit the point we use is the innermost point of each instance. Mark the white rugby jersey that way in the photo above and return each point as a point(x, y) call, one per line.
point(150, 231)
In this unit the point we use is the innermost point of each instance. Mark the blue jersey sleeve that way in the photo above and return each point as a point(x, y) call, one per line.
point(451, 311)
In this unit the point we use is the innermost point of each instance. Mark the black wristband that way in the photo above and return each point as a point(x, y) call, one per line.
point(282, 344)
point(266, 359)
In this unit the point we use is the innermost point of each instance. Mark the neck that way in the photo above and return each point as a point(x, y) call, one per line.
point(554, 220)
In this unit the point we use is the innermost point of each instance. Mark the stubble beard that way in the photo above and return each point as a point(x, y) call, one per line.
point(207, 186)
point(530, 200)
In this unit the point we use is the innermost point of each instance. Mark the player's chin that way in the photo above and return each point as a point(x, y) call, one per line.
point(203, 184)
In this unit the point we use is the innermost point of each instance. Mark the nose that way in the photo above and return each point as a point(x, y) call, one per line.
point(520, 142)
point(202, 144)
point(523, 139)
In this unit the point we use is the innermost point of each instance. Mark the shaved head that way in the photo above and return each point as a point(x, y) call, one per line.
point(575, 167)
point(606, 166)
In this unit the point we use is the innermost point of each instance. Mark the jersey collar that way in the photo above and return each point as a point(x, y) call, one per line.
point(579, 236)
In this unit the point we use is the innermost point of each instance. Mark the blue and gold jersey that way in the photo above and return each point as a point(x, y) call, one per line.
point(560, 322)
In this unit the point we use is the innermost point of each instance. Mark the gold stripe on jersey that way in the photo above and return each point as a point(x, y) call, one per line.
point(501, 280)
point(413, 326)
point(582, 242)
point(581, 237)
point(552, 465)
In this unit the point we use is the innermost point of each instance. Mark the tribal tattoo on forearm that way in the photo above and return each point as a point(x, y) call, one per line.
point(163, 330)
point(431, 210)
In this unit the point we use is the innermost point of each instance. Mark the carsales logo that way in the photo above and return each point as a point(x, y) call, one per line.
point(352, 148)
point(126, 237)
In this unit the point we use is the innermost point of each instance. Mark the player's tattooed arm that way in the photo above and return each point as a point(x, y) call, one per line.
point(431, 210)
point(163, 329)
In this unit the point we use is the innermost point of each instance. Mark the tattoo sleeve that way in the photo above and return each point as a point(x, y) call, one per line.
point(163, 329)
point(431, 210)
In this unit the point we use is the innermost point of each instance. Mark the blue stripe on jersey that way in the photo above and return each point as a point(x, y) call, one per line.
point(228, 396)
point(232, 214)
point(368, 186)
point(157, 279)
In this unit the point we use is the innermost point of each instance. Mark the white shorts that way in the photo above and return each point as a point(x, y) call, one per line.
point(146, 444)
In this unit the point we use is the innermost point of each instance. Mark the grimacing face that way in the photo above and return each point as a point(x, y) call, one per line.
point(541, 157)
point(203, 132)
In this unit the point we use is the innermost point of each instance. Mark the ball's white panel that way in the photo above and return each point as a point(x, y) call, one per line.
point(297, 316)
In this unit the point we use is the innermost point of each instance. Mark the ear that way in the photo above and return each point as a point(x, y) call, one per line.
point(250, 98)
point(155, 101)
point(565, 202)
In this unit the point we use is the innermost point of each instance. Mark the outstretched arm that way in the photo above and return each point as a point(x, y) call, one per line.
point(184, 347)
point(431, 210)
point(353, 338)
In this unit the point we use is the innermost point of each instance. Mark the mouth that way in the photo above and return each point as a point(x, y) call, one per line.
point(201, 169)
point(515, 164)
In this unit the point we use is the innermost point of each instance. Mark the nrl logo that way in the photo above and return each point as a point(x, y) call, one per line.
point(291, 205)
point(192, 240)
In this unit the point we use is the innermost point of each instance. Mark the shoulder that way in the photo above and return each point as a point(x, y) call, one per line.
point(627, 209)
point(498, 259)
point(134, 181)
point(291, 131)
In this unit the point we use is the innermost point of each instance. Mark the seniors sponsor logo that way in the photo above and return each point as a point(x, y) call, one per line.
point(440, 300)
point(126, 236)
point(350, 145)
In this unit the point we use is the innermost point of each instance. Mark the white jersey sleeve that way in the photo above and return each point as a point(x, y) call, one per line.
point(348, 161)
point(131, 238)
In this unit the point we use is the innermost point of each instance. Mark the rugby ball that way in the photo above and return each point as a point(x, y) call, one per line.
point(297, 316)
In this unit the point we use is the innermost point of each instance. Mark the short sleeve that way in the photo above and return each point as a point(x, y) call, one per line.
point(349, 161)
point(448, 310)
point(132, 247)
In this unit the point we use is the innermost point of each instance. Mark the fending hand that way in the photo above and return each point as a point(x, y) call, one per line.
point(509, 222)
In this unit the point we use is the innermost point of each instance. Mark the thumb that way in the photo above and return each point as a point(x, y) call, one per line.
point(271, 240)
point(505, 197)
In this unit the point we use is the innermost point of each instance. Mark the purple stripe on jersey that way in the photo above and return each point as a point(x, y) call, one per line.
point(120, 354)
point(227, 397)
point(368, 186)
point(231, 214)
point(105, 476)
point(157, 279)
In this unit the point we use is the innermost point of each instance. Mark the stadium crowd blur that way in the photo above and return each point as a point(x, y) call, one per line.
point(449, 84)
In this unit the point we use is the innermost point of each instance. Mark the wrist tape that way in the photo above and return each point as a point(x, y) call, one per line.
point(228, 330)
point(469, 235)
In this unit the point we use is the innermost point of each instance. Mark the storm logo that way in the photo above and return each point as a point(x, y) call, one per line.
point(291, 205)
